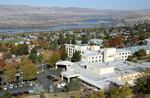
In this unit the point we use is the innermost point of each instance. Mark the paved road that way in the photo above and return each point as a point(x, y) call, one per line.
point(43, 80)
point(22, 89)
point(19, 89)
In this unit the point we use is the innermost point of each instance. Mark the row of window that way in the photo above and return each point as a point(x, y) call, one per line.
point(126, 53)
point(95, 61)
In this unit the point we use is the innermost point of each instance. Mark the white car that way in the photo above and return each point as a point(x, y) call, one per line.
point(58, 85)
point(20, 85)
point(63, 84)
point(31, 84)
point(38, 72)
point(31, 91)
point(5, 87)
point(15, 86)
point(11, 86)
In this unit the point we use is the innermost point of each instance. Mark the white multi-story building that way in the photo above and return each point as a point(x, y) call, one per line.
point(88, 53)
point(94, 53)
point(122, 54)
point(92, 57)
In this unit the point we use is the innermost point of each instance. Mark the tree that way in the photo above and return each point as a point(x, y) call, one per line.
point(53, 59)
point(84, 39)
point(114, 92)
point(64, 54)
point(21, 49)
point(6, 94)
point(46, 55)
point(101, 94)
point(93, 95)
point(2, 64)
point(61, 39)
point(73, 41)
point(10, 72)
point(143, 83)
point(116, 42)
point(40, 59)
point(53, 45)
point(130, 58)
point(28, 69)
point(141, 53)
point(74, 85)
point(76, 57)
point(125, 91)
point(32, 57)
point(34, 50)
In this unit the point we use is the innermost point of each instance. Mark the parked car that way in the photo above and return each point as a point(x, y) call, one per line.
point(11, 86)
point(63, 84)
point(5, 87)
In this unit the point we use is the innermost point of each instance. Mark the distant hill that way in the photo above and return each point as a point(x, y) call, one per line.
point(28, 16)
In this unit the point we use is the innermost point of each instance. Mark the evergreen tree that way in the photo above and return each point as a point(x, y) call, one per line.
point(84, 39)
point(76, 57)
point(64, 54)
point(33, 57)
point(34, 50)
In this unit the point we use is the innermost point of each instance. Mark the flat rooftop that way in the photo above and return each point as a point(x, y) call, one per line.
point(100, 64)
point(100, 81)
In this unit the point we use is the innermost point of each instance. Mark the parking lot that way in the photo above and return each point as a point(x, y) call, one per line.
point(48, 78)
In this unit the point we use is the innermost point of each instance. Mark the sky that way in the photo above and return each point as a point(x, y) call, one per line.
point(95, 4)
